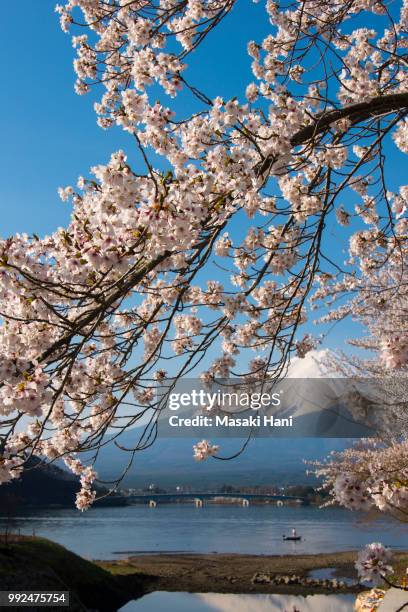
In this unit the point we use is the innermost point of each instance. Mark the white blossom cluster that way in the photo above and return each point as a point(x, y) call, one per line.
point(374, 476)
point(373, 562)
point(204, 449)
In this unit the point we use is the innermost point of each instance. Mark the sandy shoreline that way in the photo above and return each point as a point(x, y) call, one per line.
point(30, 563)
point(234, 573)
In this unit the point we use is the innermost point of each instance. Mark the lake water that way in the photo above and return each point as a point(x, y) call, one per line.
point(211, 602)
point(103, 533)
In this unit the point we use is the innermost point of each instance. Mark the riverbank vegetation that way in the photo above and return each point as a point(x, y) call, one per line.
point(31, 563)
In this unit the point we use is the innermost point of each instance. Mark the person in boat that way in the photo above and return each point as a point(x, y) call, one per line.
point(294, 536)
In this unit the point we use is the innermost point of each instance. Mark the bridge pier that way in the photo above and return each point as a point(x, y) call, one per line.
point(245, 503)
point(199, 497)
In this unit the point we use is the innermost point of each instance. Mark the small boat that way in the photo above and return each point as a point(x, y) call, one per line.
point(292, 538)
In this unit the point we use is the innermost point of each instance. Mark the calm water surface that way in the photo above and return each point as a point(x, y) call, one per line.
point(210, 602)
point(103, 533)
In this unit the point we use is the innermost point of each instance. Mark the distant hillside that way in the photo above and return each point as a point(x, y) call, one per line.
point(169, 462)
point(40, 485)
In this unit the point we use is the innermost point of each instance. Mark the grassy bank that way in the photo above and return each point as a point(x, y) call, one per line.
point(31, 563)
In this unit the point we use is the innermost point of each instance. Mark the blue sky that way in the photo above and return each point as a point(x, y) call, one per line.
point(50, 135)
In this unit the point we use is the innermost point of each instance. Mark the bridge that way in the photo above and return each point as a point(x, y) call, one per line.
point(154, 498)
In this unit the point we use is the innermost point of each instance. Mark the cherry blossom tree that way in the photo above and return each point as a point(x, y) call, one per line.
point(97, 314)
point(372, 475)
